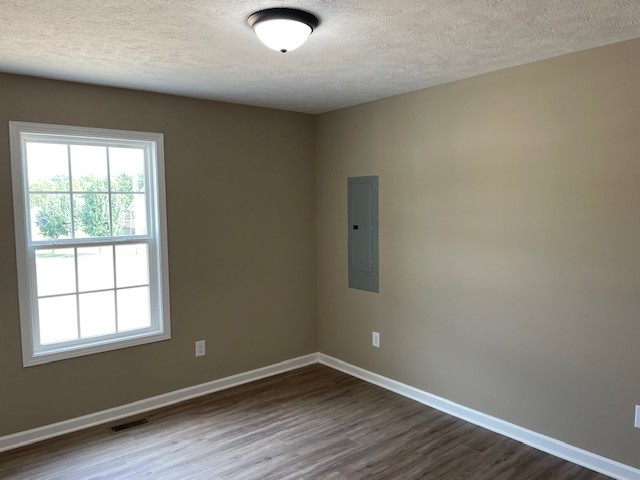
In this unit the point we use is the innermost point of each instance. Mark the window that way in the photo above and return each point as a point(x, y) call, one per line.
point(90, 239)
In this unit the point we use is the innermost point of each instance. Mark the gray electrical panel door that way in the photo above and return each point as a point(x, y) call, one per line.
point(363, 233)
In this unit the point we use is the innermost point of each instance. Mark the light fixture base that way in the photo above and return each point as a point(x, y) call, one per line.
point(283, 14)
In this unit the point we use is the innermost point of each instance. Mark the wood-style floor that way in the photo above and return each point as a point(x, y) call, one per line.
point(312, 423)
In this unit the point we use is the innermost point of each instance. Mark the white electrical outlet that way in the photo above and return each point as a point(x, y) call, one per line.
point(637, 424)
point(375, 339)
point(200, 348)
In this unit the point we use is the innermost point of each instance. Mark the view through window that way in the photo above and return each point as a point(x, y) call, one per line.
point(93, 241)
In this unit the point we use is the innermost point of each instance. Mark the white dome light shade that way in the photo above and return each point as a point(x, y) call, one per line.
point(282, 35)
point(283, 29)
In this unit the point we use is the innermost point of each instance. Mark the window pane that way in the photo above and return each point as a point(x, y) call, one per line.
point(95, 268)
point(132, 267)
point(129, 214)
point(58, 319)
point(50, 216)
point(133, 309)
point(94, 233)
point(91, 215)
point(47, 167)
point(55, 271)
point(127, 169)
point(89, 168)
point(97, 314)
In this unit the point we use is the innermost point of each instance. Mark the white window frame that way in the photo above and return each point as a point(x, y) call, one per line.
point(32, 352)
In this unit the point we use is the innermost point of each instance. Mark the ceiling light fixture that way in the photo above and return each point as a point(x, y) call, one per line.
point(283, 29)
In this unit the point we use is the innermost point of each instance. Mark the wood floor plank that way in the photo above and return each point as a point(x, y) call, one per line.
point(311, 423)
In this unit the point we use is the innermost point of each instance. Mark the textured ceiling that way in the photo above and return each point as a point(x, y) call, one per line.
point(362, 50)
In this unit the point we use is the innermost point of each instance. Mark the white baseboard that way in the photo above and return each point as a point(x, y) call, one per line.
point(549, 445)
point(541, 442)
point(27, 437)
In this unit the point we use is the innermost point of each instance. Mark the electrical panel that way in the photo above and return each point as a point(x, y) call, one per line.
point(363, 233)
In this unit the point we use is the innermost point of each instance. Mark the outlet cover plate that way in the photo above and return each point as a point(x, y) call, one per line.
point(200, 348)
point(375, 339)
point(637, 424)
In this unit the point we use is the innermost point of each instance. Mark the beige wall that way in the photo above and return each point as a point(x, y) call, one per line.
point(241, 216)
point(509, 244)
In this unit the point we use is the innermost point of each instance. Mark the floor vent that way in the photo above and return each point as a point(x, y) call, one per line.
point(126, 426)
